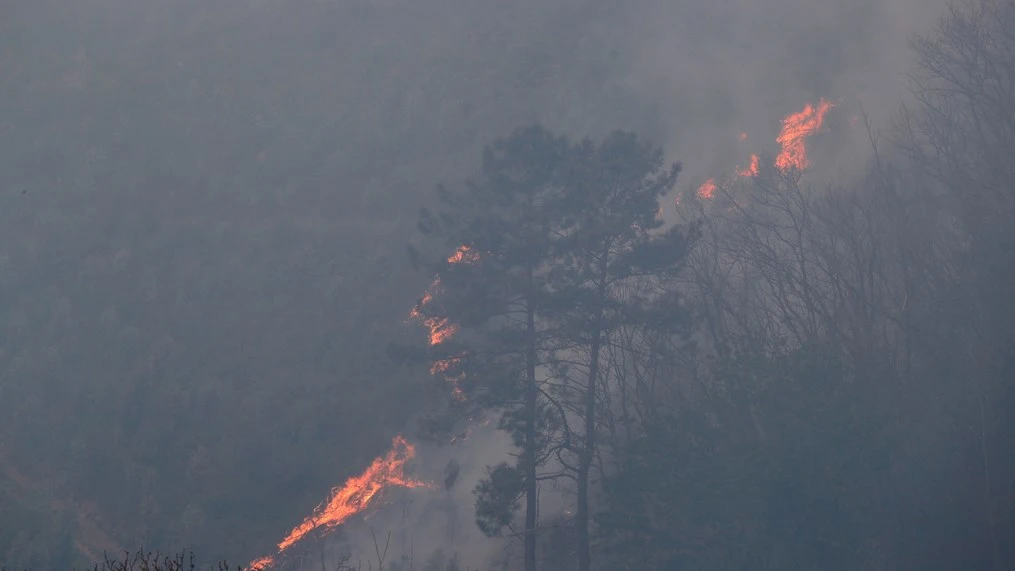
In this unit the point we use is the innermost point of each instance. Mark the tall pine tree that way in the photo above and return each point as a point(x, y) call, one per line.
point(485, 305)
point(615, 268)
point(556, 247)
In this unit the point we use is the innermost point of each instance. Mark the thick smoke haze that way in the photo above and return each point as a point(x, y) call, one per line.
point(204, 212)
point(711, 71)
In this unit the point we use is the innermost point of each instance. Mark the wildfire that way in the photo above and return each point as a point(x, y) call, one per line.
point(389, 470)
point(441, 329)
point(443, 365)
point(385, 472)
point(753, 169)
point(707, 190)
point(463, 254)
point(796, 127)
point(456, 390)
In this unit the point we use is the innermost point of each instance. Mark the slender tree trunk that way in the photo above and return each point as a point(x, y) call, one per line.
point(585, 461)
point(589, 448)
point(531, 490)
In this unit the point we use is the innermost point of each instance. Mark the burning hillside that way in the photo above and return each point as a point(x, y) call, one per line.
point(387, 471)
point(796, 128)
point(440, 328)
point(354, 497)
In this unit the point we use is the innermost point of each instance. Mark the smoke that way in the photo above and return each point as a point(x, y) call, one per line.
point(719, 79)
point(406, 528)
point(344, 112)
point(716, 70)
point(414, 524)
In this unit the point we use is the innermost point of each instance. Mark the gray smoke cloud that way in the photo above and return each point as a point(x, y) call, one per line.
point(344, 113)
point(717, 69)
point(703, 73)
point(413, 525)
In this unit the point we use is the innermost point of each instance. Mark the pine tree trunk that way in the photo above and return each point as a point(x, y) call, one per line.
point(589, 449)
point(530, 438)
point(585, 460)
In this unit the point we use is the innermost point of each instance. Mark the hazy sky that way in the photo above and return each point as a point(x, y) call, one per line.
point(716, 69)
point(148, 136)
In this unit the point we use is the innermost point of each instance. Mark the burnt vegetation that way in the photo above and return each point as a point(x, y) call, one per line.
point(781, 373)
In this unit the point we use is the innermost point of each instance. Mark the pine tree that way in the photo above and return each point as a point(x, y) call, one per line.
point(484, 308)
point(615, 269)
point(555, 248)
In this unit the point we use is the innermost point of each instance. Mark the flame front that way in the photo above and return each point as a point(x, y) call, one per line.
point(443, 365)
point(389, 470)
point(796, 127)
point(441, 329)
point(463, 254)
point(753, 169)
point(707, 190)
point(385, 472)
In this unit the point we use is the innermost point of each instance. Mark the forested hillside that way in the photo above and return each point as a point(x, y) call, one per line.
point(205, 297)
point(204, 217)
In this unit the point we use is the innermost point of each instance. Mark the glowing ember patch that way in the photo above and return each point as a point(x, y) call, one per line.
point(743, 136)
point(355, 496)
point(386, 471)
point(443, 365)
point(753, 169)
point(796, 127)
point(464, 254)
point(456, 391)
point(441, 329)
point(427, 297)
point(707, 190)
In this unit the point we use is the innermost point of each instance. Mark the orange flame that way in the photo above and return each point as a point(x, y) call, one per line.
point(753, 169)
point(443, 365)
point(354, 497)
point(796, 127)
point(441, 329)
point(388, 470)
point(463, 254)
point(456, 390)
point(707, 190)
